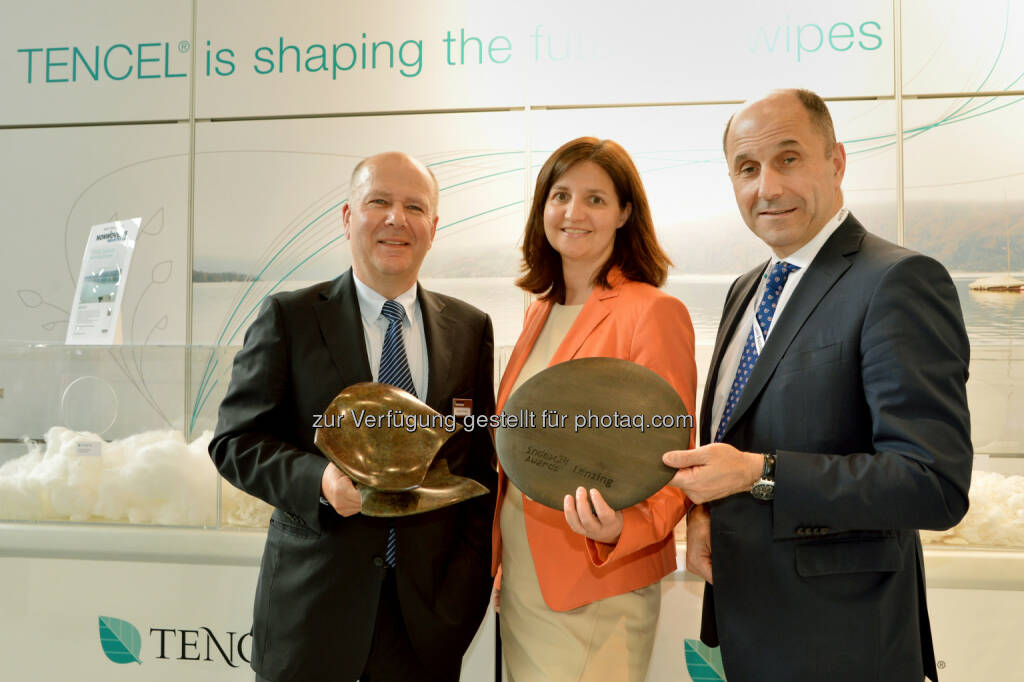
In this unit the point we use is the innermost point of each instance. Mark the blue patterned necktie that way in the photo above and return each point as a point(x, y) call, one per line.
point(394, 370)
point(765, 312)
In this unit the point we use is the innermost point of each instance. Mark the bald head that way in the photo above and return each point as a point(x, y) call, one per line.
point(787, 183)
point(365, 169)
point(390, 220)
point(814, 105)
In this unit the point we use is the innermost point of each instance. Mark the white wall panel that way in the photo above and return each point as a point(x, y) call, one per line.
point(95, 60)
point(56, 183)
point(678, 153)
point(962, 46)
point(655, 51)
point(964, 181)
point(266, 58)
point(259, 57)
point(269, 197)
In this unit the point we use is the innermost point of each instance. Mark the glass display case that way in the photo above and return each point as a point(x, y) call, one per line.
point(995, 394)
point(116, 434)
point(119, 434)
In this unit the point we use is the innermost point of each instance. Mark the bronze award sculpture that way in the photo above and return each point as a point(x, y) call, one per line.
point(594, 422)
point(386, 441)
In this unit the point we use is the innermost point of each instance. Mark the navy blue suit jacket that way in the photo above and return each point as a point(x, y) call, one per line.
point(860, 392)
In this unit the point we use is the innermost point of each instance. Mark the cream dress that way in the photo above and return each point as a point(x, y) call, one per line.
point(609, 640)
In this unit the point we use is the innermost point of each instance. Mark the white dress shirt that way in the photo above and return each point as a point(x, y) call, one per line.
point(802, 258)
point(375, 325)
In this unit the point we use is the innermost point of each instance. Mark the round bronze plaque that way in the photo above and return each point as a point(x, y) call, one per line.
point(599, 423)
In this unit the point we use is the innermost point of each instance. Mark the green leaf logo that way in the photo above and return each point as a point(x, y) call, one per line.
point(704, 663)
point(120, 640)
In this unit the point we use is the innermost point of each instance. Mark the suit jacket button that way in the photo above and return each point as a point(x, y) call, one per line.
point(378, 561)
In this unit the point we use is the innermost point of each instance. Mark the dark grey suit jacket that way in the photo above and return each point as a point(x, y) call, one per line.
point(321, 573)
point(860, 393)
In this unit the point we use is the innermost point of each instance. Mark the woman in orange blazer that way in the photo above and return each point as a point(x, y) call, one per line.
point(579, 588)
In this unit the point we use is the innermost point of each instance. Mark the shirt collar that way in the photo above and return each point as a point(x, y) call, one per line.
point(371, 302)
point(804, 256)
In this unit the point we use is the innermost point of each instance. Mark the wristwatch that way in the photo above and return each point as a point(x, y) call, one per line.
point(764, 487)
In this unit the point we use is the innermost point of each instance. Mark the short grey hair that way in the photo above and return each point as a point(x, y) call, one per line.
point(816, 109)
point(353, 180)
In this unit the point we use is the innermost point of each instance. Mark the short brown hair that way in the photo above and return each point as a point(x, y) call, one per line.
point(816, 109)
point(636, 250)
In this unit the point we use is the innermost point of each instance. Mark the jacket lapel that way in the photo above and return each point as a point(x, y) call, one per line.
point(531, 330)
point(438, 326)
point(593, 313)
point(342, 330)
point(740, 293)
point(826, 269)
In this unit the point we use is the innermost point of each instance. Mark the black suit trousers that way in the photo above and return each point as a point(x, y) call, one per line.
point(392, 658)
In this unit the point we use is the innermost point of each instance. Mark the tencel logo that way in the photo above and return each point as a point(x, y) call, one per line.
point(704, 663)
point(120, 640)
point(122, 643)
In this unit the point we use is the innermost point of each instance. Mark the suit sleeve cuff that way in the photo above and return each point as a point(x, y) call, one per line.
point(309, 474)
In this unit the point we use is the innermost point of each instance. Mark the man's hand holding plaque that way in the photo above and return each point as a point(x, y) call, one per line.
point(386, 441)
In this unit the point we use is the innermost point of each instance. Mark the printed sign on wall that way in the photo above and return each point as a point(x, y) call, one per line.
point(96, 308)
point(85, 61)
point(117, 60)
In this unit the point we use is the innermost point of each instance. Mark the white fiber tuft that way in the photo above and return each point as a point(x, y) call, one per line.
point(996, 515)
point(153, 477)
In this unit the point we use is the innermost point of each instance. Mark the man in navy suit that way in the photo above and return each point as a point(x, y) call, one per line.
point(834, 424)
point(341, 595)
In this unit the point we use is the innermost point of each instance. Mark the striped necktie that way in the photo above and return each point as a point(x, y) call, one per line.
point(394, 370)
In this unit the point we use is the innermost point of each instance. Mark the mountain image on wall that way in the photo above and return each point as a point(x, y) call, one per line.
point(968, 236)
point(963, 236)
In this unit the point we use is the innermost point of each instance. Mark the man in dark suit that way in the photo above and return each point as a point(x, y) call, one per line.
point(341, 595)
point(834, 424)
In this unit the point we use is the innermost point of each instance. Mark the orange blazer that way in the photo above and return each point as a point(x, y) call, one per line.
point(632, 321)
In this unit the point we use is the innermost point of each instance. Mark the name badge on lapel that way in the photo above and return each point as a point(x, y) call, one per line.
point(462, 407)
